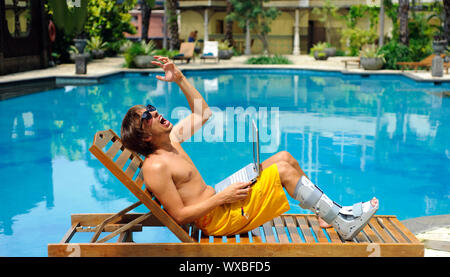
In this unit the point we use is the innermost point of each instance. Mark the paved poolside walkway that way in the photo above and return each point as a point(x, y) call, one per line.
point(433, 230)
point(111, 65)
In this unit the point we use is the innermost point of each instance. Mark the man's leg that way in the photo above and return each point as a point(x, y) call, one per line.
point(284, 156)
point(347, 221)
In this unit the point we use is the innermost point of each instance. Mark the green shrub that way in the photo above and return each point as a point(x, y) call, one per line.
point(166, 53)
point(135, 50)
point(276, 59)
point(394, 52)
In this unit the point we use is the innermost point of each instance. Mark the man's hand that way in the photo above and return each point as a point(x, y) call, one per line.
point(235, 192)
point(172, 73)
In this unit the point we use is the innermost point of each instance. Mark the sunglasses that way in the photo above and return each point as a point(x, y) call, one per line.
point(147, 115)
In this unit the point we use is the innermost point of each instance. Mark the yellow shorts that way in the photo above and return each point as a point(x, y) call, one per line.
point(266, 200)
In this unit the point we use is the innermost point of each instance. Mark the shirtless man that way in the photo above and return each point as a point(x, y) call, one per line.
point(173, 178)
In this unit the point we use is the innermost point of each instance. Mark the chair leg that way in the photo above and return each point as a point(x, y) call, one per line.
point(113, 219)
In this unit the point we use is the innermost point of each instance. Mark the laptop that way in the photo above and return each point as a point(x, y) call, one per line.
point(248, 173)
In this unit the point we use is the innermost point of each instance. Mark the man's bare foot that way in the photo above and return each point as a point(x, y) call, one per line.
point(322, 223)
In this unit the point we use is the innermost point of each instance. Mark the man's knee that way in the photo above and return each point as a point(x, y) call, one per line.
point(287, 157)
point(285, 169)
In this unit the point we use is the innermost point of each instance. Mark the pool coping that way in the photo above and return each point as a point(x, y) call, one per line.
point(427, 223)
point(8, 88)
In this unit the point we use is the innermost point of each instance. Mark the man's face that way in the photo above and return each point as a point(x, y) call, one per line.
point(154, 122)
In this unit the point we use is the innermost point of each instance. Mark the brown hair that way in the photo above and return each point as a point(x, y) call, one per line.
point(132, 135)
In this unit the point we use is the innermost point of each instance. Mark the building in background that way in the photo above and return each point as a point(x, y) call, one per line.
point(24, 37)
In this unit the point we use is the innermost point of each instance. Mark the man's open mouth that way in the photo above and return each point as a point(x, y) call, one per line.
point(164, 121)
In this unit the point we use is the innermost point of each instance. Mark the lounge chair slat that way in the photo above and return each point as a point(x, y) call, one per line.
point(112, 151)
point(256, 235)
point(231, 239)
point(303, 225)
point(398, 236)
point(380, 231)
point(123, 158)
point(134, 165)
point(371, 234)
point(404, 230)
point(268, 232)
point(281, 232)
point(102, 138)
point(244, 238)
point(316, 228)
point(292, 228)
point(333, 235)
point(195, 234)
point(361, 238)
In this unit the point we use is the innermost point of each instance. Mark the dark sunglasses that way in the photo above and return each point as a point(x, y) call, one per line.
point(147, 115)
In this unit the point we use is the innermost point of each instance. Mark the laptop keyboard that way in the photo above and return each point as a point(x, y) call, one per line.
point(239, 176)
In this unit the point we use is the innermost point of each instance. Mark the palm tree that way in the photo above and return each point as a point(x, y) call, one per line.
point(403, 16)
point(447, 20)
point(229, 25)
point(146, 10)
point(173, 24)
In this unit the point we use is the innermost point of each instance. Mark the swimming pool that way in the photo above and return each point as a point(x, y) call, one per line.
point(354, 136)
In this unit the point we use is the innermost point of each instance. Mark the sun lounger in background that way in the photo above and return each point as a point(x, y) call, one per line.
point(427, 62)
point(210, 51)
point(353, 61)
point(287, 235)
point(186, 52)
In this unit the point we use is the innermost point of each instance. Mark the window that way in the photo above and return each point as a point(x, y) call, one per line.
point(18, 17)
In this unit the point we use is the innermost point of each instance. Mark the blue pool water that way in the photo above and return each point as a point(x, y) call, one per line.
point(354, 136)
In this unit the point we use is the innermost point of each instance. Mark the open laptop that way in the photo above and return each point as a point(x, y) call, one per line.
point(247, 173)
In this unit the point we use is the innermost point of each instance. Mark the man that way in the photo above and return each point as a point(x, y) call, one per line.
point(173, 178)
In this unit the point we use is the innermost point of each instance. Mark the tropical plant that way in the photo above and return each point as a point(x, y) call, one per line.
point(149, 47)
point(393, 52)
point(326, 12)
point(276, 59)
point(96, 43)
point(69, 19)
point(354, 36)
point(318, 51)
point(110, 20)
point(371, 51)
point(135, 50)
point(254, 15)
point(166, 53)
point(225, 45)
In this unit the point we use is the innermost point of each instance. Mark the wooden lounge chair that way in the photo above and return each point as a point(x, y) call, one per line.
point(353, 61)
point(427, 62)
point(210, 51)
point(287, 235)
point(186, 52)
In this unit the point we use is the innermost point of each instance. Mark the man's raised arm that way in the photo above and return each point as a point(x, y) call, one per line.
point(201, 112)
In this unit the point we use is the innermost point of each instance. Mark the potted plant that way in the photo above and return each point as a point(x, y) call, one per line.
point(371, 59)
point(439, 44)
point(145, 58)
point(330, 50)
point(96, 46)
point(318, 51)
point(140, 55)
point(225, 50)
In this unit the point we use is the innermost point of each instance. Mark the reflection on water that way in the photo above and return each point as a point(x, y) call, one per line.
point(384, 136)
